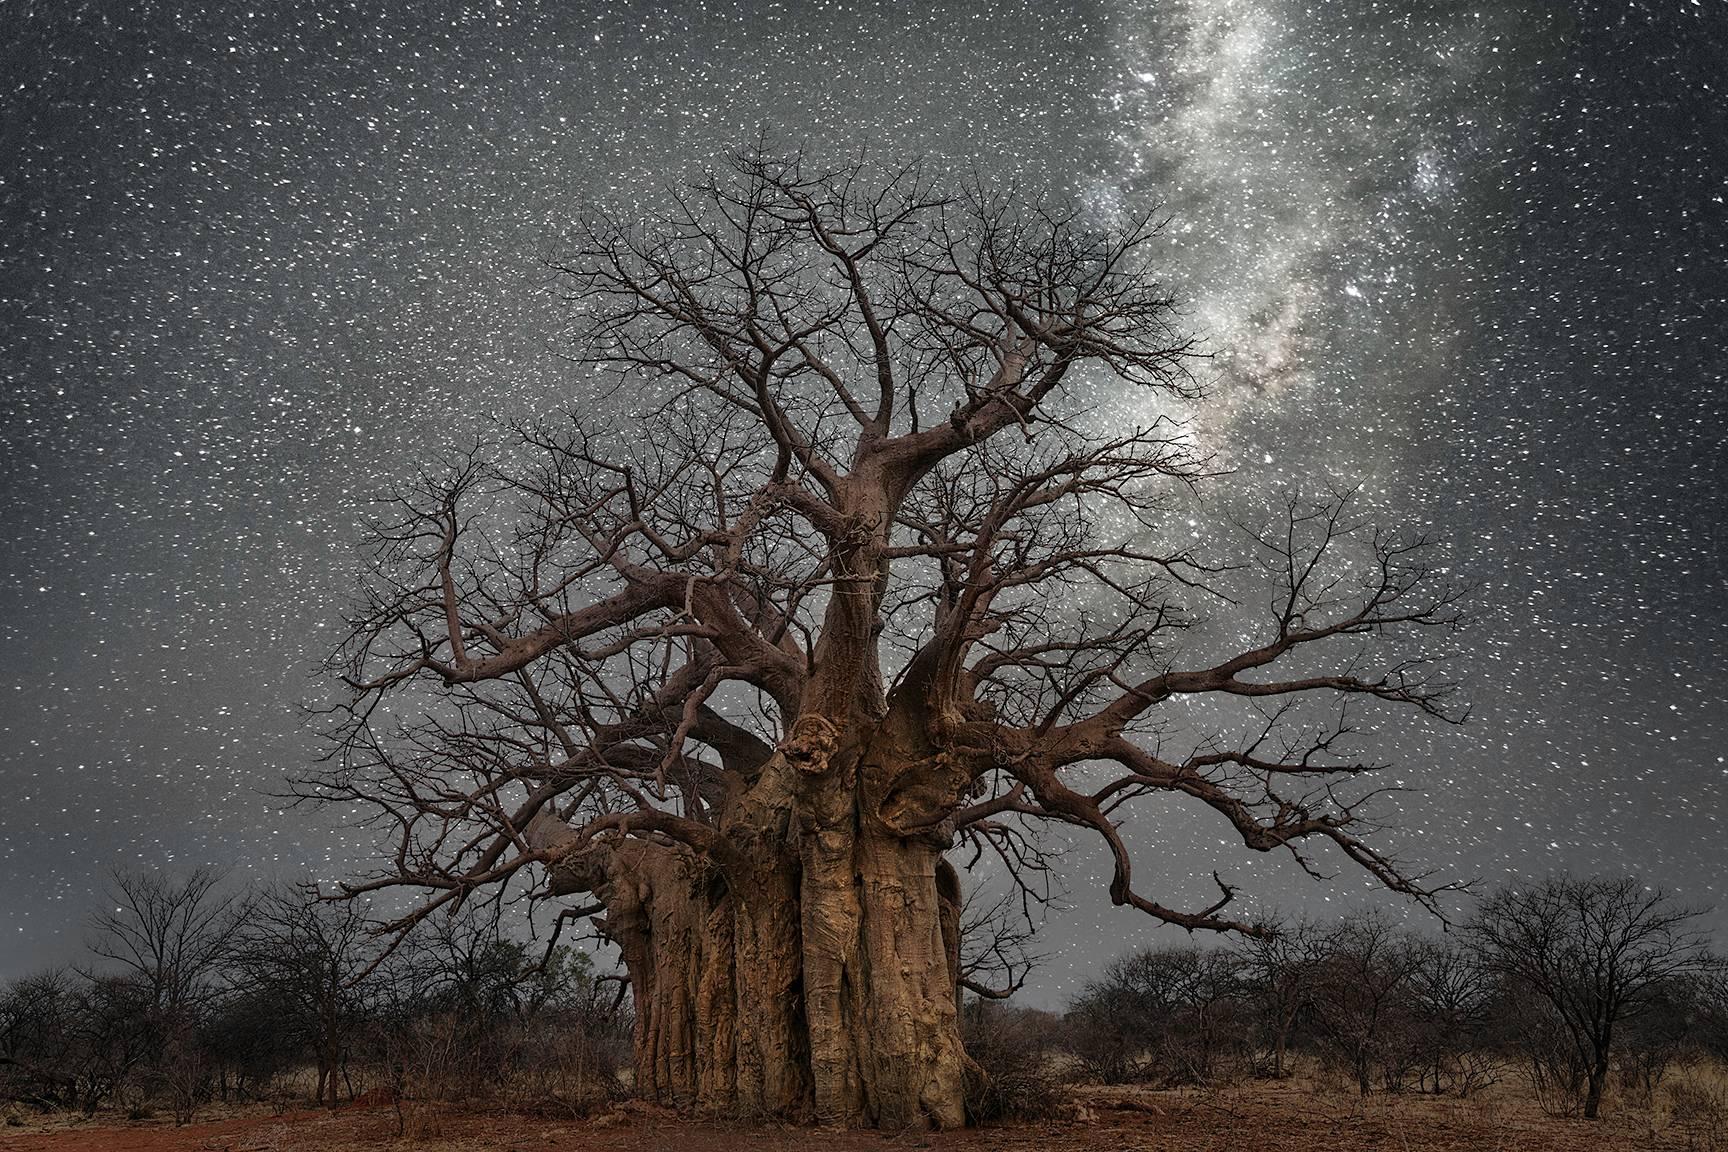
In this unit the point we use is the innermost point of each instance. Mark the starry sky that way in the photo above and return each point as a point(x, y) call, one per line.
point(258, 258)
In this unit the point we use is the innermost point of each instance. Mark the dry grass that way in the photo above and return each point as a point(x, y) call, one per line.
point(1692, 1105)
point(1302, 1114)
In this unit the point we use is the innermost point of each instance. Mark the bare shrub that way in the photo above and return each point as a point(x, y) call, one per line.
point(183, 1076)
point(36, 1029)
point(1363, 1004)
point(1452, 997)
point(1013, 1051)
point(1709, 1016)
point(1698, 1110)
point(1276, 975)
point(1105, 1034)
point(484, 1019)
point(1168, 1015)
point(1550, 1060)
point(570, 1052)
point(253, 1043)
point(111, 1041)
point(432, 1060)
point(1653, 1040)
point(317, 965)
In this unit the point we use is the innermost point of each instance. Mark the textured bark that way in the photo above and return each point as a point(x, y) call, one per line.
point(908, 1030)
point(814, 977)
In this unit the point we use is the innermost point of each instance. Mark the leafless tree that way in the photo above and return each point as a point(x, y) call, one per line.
point(1015, 1049)
point(1362, 996)
point(837, 568)
point(115, 1039)
point(313, 959)
point(1594, 954)
point(170, 935)
point(492, 1014)
point(167, 941)
point(37, 1028)
point(1710, 1025)
point(1278, 972)
point(1453, 995)
point(1174, 1014)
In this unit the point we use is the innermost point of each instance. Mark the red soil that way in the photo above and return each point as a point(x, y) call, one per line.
point(1258, 1118)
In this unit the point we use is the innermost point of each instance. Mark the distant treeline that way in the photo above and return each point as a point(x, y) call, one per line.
point(197, 992)
point(1577, 987)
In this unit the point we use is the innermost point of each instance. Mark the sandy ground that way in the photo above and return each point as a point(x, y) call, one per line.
point(1253, 1118)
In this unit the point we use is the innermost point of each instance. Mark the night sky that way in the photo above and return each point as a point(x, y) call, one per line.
point(257, 259)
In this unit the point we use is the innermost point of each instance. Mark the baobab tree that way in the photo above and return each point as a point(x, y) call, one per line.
point(834, 571)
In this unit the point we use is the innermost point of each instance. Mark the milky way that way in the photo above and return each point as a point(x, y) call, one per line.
point(257, 260)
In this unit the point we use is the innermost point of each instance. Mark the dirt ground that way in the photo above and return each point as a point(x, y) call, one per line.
point(1253, 1118)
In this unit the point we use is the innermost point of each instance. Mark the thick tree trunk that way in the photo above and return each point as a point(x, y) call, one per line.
point(811, 979)
point(907, 1032)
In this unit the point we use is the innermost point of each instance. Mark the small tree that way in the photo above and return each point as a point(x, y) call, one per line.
point(1012, 1048)
point(1452, 1000)
point(254, 1037)
point(1594, 955)
point(1649, 1043)
point(1710, 1010)
point(488, 1013)
point(168, 941)
point(312, 960)
point(1172, 1013)
point(1108, 1031)
point(1277, 972)
point(172, 936)
point(1362, 998)
point(115, 1039)
point(37, 1030)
